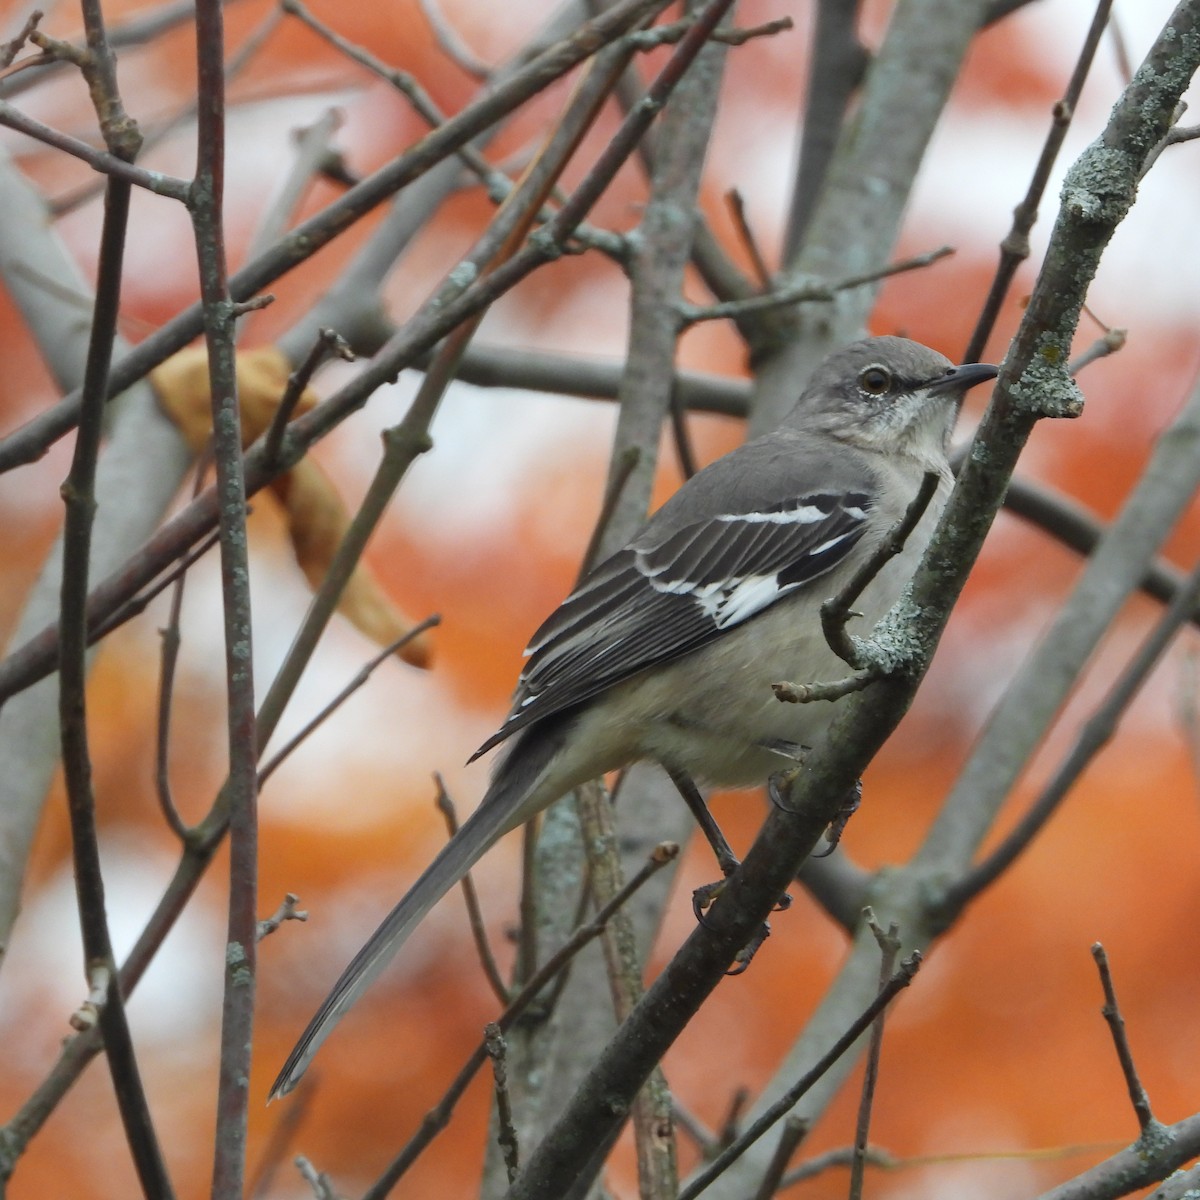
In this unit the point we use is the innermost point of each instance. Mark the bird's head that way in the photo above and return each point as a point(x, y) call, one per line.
point(889, 393)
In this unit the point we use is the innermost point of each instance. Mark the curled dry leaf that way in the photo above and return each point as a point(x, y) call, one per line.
point(317, 518)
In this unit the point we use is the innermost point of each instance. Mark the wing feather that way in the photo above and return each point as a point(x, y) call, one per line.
point(664, 596)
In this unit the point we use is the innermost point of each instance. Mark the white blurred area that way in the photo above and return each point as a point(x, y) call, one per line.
point(43, 982)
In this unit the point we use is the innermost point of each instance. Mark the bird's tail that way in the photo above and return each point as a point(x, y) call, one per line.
point(506, 805)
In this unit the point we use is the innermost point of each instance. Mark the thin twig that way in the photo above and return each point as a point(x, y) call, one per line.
point(701, 1135)
point(287, 911)
point(836, 612)
point(206, 208)
point(138, 604)
point(794, 1131)
point(1120, 50)
point(506, 1130)
point(483, 946)
point(833, 1159)
point(833, 689)
point(99, 160)
point(1116, 1024)
point(684, 451)
point(670, 32)
point(87, 1015)
point(327, 342)
point(452, 44)
point(889, 948)
point(1182, 133)
point(312, 150)
point(780, 1108)
point(1095, 734)
point(169, 660)
point(98, 66)
point(1110, 342)
point(10, 49)
point(737, 210)
point(365, 672)
point(407, 85)
point(319, 1181)
point(1172, 137)
point(730, 1124)
point(803, 293)
point(1014, 249)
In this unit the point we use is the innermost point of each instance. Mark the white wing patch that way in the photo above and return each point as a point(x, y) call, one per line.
point(745, 598)
point(802, 514)
point(732, 601)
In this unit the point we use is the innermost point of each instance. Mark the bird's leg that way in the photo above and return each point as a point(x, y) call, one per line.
point(704, 895)
point(686, 787)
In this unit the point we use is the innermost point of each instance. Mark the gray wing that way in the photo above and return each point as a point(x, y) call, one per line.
point(673, 591)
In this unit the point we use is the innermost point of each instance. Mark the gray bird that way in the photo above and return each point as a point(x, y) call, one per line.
point(667, 650)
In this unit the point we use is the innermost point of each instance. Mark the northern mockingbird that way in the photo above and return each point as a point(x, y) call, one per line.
point(667, 650)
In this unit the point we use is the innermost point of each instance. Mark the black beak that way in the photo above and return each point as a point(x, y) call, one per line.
point(958, 379)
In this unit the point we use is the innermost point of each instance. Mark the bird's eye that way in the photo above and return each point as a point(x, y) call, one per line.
point(875, 381)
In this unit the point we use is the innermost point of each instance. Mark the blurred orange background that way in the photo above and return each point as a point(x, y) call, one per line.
point(998, 1050)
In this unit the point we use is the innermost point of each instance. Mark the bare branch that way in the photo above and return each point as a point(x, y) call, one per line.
point(79, 495)
point(889, 949)
point(452, 43)
point(506, 1133)
point(839, 62)
point(794, 1131)
point(777, 1111)
point(169, 659)
point(206, 207)
point(328, 342)
point(10, 49)
point(1014, 249)
point(1116, 1023)
point(287, 911)
point(801, 293)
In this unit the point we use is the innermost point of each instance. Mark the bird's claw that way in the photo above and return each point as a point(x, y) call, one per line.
point(703, 897)
point(742, 959)
point(837, 826)
point(776, 785)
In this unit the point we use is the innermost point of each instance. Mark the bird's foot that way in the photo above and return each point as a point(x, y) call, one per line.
point(702, 899)
point(742, 959)
point(837, 826)
point(704, 895)
point(778, 784)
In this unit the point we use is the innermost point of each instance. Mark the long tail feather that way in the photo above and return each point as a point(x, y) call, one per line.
point(517, 792)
